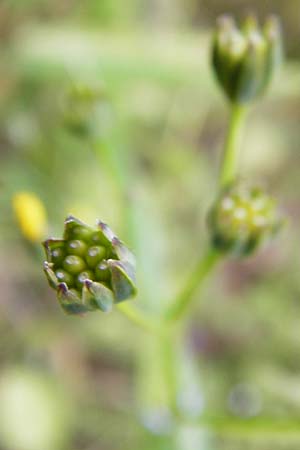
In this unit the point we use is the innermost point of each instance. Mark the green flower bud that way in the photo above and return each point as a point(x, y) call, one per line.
point(74, 264)
point(244, 60)
point(57, 255)
point(98, 239)
point(95, 254)
point(85, 276)
point(64, 277)
point(102, 272)
point(242, 219)
point(76, 247)
point(81, 109)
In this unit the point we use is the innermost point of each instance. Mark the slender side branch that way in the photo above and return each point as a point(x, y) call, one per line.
point(140, 319)
point(196, 277)
point(232, 145)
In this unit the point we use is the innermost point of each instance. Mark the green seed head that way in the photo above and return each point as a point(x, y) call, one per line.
point(98, 238)
point(89, 268)
point(102, 272)
point(76, 247)
point(74, 264)
point(64, 277)
point(79, 232)
point(86, 275)
point(95, 254)
point(57, 255)
point(245, 59)
point(242, 219)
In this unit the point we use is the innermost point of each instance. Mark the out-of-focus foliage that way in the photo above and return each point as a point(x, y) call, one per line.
point(163, 108)
point(34, 412)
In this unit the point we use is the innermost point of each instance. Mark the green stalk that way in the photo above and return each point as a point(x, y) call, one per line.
point(116, 162)
point(168, 363)
point(228, 174)
point(140, 319)
point(192, 284)
point(258, 427)
point(230, 160)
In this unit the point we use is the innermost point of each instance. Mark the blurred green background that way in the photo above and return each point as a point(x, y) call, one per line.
point(92, 383)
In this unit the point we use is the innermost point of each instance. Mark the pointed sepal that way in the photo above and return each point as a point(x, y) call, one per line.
point(122, 252)
point(52, 280)
point(70, 301)
point(76, 229)
point(122, 280)
point(106, 231)
point(51, 245)
point(97, 295)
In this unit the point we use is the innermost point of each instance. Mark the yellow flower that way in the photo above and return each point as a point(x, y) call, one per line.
point(31, 215)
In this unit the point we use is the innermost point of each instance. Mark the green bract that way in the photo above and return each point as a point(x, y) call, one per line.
point(89, 268)
point(244, 59)
point(241, 219)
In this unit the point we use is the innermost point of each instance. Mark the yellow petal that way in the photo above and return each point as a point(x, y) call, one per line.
point(31, 215)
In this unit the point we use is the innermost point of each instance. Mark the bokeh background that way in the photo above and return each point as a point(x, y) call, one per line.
point(92, 383)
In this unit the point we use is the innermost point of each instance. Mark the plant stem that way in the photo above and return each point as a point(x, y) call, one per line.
point(201, 270)
point(256, 427)
point(227, 175)
point(140, 319)
point(232, 145)
point(167, 352)
point(117, 163)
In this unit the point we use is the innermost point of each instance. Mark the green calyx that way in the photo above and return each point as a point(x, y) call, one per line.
point(89, 268)
point(242, 219)
point(245, 59)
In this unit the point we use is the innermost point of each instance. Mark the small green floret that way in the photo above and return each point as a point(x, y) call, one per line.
point(89, 268)
point(242, 219)
point(244, 59)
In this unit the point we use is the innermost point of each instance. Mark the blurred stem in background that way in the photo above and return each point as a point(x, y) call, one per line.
point(118, 165)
